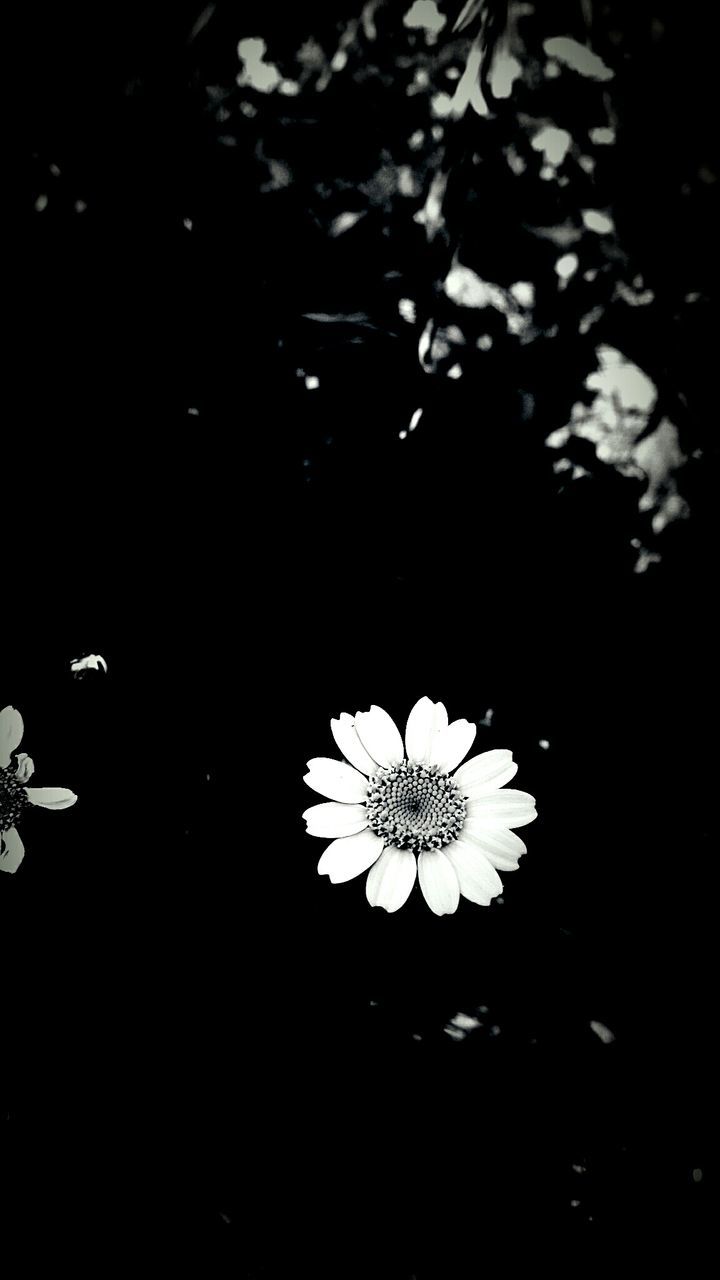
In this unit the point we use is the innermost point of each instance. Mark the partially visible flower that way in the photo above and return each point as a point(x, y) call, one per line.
point(403, 813)
point(14, 795)
point(93, 661)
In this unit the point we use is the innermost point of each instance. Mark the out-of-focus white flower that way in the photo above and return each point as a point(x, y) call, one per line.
point(93, 661)
point(401, 813)
point(15, 796)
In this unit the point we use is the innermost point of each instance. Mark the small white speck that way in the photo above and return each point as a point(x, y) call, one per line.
point(258, 73)
point(455, 372)
point(578, 57)
point(312, 382)
point(597, 221)
point(80, 206)
point(554, 143)
point(567, 265)
point(487, 720)
point(41, 203)
point(93, 662)
point(591, 318)
point(406, 307)
point(523, 292)
point(54, 171)
point(194, 413)
point(415, 419)
point(602, 137)
point(416, 1036)
point(495, 1031)
point(515, 161)
point(416, 140)
point(544, 744)
point(345, 221)
point(575, 1204)
point(402, 435)
point(465, 1022)
point(425, 14)
point(578, 1168)
point(187, 223)
point(455, 1033)
point(602, 1032)
point(484, 342)
point(644, 560)
point(339, 61)
point(441, 105)
point(697, 1175)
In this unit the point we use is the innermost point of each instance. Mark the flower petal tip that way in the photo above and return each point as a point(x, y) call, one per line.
point(51, 797)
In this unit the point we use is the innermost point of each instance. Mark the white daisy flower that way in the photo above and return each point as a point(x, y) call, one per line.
point(401, 812)
point(15, 796)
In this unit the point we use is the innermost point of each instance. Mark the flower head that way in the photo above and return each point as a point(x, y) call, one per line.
point(406, 811)
point(15, 796)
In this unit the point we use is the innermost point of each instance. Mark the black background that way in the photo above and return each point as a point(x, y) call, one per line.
point(206, 1046)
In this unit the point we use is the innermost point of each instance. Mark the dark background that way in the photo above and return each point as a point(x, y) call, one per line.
point(209, 1052)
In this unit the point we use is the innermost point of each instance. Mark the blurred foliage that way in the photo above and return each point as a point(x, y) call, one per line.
point(517, 197)
point(461, 181)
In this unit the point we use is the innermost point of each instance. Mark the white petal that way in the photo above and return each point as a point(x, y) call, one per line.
point(336, 780)
point(345, 734)
point(503, 809)
point(453, 744)
point(12, 850)
point(51, 797)
point(479, 881)
point(380, 736)
point(503, 848)
point(425, 720)
point(330, 820)
point(438, 882)
point(25, 767)
point(11, 732)
point(390, 881)
point(346, 858)
point(485, 773)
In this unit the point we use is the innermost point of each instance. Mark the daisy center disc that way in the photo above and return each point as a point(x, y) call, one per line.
point(12, 799)
point(413, 806)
